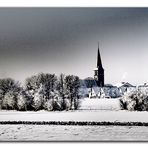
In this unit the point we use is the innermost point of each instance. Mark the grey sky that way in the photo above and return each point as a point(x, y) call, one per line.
point(56, 40)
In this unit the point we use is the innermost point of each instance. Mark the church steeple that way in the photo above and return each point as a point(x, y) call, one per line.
point(99, 62)
point(99, 71)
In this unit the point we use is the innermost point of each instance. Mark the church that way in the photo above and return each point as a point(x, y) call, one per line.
point(96, 87)
point(102, 90)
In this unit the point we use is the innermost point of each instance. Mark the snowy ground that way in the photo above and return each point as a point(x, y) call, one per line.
point(72, 133)
point(100, 104)
point(90, 110)
point(95, 115)
point(97, 110)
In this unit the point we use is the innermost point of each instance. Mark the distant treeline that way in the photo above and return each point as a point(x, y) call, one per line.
point(42, 91)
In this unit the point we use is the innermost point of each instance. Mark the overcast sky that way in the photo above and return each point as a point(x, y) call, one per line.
point(56, 40)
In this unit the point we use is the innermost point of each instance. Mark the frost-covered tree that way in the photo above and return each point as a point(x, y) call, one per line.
point(69, 88)
point(67, 104)
point(48, 81)
point(9, 101)
point(76, 86)
point(72, 84)
point(8, 84)
point(54, 103)
point(49, 85)
point(41, 88)
point(62, 91)
point(57, 103)
point(48, 105)
point(42, 91)
point(9, 90)
point(135, 100)
point(31, 83)
point(1, 97)
point(38, 99)
point(61, 86)
point(22, 101)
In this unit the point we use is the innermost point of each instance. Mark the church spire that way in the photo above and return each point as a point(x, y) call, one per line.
point(99, 71)
point(99, 62)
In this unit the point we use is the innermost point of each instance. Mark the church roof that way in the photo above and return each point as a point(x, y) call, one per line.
point(124, 84)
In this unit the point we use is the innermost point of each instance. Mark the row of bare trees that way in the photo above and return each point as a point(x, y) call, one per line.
point(41, 91)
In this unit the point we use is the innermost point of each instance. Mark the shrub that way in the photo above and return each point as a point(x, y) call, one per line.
point(135, 100)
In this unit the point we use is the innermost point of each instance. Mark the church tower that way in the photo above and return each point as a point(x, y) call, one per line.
point(99, 71)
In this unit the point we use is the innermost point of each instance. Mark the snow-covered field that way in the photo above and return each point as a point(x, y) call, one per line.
point(72, 133)
point(94, 115)
point(97, 110)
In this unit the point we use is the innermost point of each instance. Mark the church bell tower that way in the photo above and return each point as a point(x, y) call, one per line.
point(99, 71)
